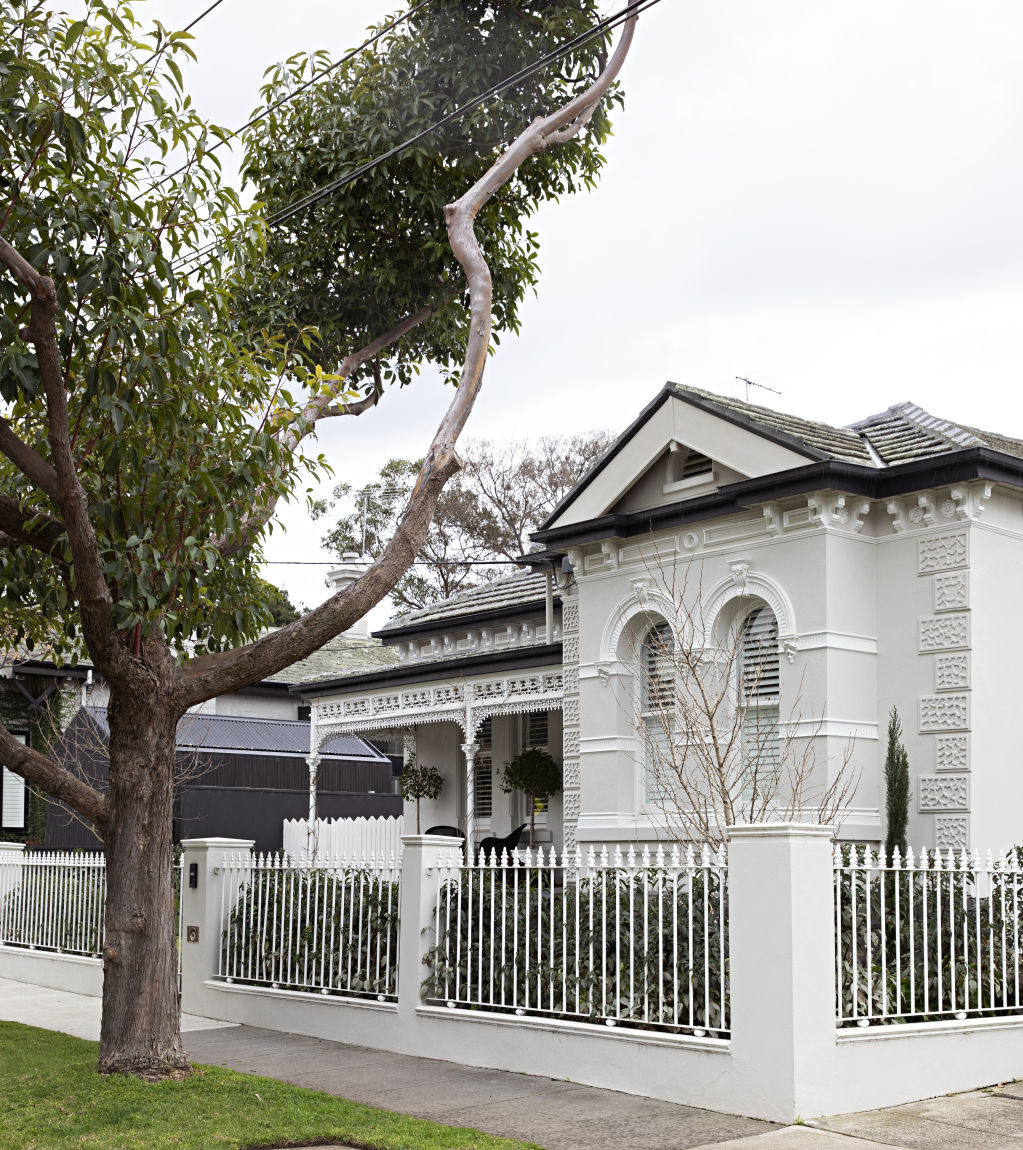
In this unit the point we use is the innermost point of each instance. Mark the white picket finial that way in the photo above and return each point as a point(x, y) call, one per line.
point(646, 857)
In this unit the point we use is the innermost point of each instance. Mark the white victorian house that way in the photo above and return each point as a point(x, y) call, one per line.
point(874, 566)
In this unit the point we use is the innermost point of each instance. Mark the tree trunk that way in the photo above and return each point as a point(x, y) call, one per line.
point(141, 1028)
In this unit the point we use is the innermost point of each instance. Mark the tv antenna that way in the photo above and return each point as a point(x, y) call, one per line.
point(752, 383)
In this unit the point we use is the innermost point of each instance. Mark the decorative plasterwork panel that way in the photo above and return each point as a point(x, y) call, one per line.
point(944, 632)
point(951, 672)
point(952, 753)
point(743, 528)
point(944, 713)
point(570, 707)
point(944, 792)
point(952, 832)
point(942, 553)
point(570, 618)
point(951, 592)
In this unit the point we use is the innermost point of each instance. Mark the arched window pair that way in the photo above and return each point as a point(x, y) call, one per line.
point(756, 697)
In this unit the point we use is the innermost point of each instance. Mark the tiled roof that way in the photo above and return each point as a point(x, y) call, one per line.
point(197, 731)
point(339, 656)
point(902, 433)
point(820, 438)
point(509, 591)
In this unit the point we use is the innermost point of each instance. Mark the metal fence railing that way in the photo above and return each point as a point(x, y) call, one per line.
point(329, 928)
point(53, 901)
point(633, 940)
point(932, 936)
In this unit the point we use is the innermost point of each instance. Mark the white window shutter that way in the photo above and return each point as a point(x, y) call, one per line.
point(12, 798)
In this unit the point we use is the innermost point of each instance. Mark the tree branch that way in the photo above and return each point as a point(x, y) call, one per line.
point(31, 529)
point(95, 603)
point(230, 670)
point(27, 460)
point(56, 781)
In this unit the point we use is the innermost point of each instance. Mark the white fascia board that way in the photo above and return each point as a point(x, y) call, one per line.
point(738, 448)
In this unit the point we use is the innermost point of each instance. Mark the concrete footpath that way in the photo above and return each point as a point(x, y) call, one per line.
point(554, 1114)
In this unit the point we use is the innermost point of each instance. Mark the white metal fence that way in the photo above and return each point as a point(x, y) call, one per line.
point(331, 929)
point(352, 839)
point(634, 940)
point(53, 901)
point(932, 936)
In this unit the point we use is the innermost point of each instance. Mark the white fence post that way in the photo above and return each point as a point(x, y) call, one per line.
point(202, 910)
point(10, 876)
point(782, 966)
point(423, 854)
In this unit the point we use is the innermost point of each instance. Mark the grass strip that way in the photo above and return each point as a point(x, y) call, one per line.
point(52, 1098)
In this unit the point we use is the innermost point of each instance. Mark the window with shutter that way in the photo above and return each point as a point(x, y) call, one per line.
point(758, 688)
point(657, 704)
point(483, 772)
point(12, 797)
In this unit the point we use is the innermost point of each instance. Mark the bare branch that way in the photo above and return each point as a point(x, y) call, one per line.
point(56, 781)
point(230, 670)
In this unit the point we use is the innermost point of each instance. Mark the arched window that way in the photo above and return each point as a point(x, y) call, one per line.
point(758, 690)
point(657, 705)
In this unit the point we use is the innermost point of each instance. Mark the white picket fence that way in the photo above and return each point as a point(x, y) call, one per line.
point(936, 935)
point(53, 901)
point(634, 940)
point(346, 839)
point(327, 929)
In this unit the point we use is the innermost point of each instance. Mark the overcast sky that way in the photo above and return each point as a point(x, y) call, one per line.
point(822, 196)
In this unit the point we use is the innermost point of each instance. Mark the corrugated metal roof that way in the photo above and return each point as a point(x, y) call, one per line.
point(197, 731)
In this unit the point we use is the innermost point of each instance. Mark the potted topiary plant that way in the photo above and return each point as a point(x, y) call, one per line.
point(418, 781)
point(535, 774)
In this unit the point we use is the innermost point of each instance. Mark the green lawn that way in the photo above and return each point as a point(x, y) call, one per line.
point(51, 1098)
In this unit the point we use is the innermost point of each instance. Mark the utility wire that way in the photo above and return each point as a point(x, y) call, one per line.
point(188, 27)
point(606, 24)
point(313, 79)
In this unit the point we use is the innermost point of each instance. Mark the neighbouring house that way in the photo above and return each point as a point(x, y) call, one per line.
point(237, 777)
point(855, 569)
point(39, 700)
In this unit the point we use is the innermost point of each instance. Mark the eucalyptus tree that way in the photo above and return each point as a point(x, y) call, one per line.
point(156, 404)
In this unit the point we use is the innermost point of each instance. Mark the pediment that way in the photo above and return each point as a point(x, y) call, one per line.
point(676, 450)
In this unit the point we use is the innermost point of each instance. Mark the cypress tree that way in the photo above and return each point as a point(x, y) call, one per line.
point(896, 781)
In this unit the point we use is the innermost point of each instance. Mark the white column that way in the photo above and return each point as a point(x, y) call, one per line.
point(469, 750)
point(781, 930)
point(313, 832)
point(203, 909)
point(421, 862)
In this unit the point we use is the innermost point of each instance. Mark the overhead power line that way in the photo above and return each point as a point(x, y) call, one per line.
point(315, 78)
point(605, 24)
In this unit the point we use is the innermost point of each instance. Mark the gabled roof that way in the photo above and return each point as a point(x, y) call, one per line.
point(902, 434)
point(493, 599)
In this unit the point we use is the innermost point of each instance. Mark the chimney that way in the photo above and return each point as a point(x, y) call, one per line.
point(350, 568)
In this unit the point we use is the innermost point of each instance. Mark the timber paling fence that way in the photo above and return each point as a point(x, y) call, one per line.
point(633, 940)
point(930, 937)
point(330, 928)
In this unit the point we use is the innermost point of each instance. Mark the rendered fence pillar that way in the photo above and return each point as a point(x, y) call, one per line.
point(781, 966)
point(202, 912)
point(423, 856)
point(10, 879)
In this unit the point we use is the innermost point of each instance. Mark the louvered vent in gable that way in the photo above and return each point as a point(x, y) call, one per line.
point(688, 468)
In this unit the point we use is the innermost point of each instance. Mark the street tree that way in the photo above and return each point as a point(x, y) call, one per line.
point(150, 425)
point(483, 517)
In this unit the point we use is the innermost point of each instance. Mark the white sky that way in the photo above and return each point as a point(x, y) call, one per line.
point(823, 196)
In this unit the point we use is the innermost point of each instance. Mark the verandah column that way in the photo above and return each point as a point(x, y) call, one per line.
point(781, 927)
